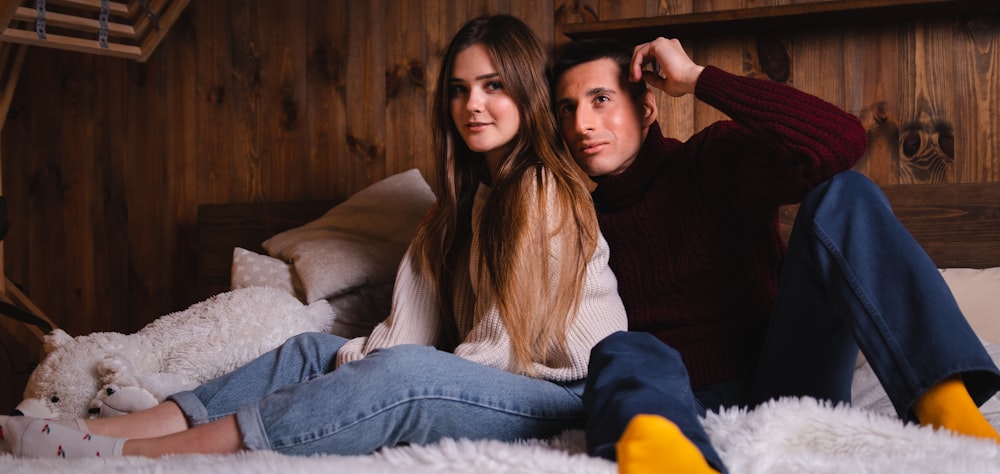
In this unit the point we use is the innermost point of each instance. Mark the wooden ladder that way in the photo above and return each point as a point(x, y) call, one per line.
point(130, 29)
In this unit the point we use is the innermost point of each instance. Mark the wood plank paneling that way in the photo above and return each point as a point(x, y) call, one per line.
point(406, 90)
point(365, 95)
point(818, 64)
point(250, 51)
point(620, 10)
point(977, 96)
point(872, 93)
point(927, 105)
point(326, 70)
point(180, 101)
point(214, 103)
point(284, 128)
point(539, 17)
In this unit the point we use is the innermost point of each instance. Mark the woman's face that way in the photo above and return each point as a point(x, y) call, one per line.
point(485, 116)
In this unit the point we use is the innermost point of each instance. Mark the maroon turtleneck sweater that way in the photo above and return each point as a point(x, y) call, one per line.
point(693, 226)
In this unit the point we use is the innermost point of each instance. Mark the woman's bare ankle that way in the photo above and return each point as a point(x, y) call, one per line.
point(161, 420)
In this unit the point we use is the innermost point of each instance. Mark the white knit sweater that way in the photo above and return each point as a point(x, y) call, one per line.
point(415, 313)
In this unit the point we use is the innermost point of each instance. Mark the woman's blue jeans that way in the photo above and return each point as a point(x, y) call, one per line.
point(853, 277)
point(291, 400)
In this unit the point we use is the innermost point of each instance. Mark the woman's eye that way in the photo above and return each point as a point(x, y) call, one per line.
point(456, 90)
point(495, 86)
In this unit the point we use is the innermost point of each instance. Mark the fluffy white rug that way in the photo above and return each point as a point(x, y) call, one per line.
point(785, 436)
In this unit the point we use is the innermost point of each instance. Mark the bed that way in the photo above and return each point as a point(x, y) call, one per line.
point(958, 225)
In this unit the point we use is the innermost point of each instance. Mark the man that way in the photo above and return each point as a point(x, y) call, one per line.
point(720, 312)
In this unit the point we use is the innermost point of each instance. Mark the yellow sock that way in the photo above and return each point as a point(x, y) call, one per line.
point(949, 405)
point(652, 443)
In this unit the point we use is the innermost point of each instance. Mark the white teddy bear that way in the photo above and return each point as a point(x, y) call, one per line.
point(125, 391)
point(176, 352)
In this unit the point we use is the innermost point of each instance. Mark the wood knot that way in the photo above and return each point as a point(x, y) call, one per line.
point(774, 58)
point(367, 151)
point(217, 95)
point(394, 77)
point(289, 111)
point(575, 12)
point(927, 149)
point(881, 114)
point(415, 71)
point(325, 64)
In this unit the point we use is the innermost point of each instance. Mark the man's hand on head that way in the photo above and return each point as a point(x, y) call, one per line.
point(676, 74)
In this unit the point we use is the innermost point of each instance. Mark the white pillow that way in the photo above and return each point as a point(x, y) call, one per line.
point(360, 242)
point(252, 269)
point(978, 295)
point(356, 312)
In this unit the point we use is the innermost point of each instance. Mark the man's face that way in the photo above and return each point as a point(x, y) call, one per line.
point(601, 123)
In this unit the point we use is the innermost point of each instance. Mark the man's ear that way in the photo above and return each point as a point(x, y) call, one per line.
point(649, 110)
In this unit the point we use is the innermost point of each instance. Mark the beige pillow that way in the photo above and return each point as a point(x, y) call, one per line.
point(978, 295)
point(360, 241)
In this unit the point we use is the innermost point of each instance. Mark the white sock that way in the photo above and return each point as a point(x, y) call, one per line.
point(76, 423)
point(28, 437)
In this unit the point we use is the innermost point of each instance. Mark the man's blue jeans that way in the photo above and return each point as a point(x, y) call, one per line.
point(291, 400)
point(852, 278)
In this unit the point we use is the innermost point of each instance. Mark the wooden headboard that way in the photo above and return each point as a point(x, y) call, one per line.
point(957, 224)
point(221, 227)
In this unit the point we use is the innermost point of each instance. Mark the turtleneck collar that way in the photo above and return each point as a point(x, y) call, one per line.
point(617, 192)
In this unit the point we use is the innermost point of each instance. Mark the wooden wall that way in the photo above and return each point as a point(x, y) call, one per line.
point(106, 160)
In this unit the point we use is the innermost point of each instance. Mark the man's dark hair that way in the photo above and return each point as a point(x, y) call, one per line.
point(576, 53)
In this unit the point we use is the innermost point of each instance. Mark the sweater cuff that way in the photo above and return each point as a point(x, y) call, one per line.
point(351, 351)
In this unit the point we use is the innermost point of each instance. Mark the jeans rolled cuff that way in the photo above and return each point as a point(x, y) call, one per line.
point(194, 411)
point(252, 428)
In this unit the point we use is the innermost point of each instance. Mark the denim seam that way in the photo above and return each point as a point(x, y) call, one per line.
point(380, 411)
point(875, 316)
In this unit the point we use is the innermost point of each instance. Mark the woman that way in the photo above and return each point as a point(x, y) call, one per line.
point(507, 279)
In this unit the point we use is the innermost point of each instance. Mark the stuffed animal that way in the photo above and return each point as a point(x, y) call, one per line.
point(173, 353)
point(125, 391)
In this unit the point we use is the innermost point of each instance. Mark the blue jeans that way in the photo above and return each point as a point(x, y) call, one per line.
point(852, 278)
point(291, 400)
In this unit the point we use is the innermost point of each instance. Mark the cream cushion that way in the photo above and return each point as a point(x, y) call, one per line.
point(977, 292)
point(359, 242)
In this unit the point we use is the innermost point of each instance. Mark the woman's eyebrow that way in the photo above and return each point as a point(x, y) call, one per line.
point(478, 78)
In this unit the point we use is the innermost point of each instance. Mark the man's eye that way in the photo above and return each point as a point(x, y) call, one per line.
point(567, 109)
point(601, 99)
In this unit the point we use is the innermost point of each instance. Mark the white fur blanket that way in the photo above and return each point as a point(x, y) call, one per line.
point(785, 436)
